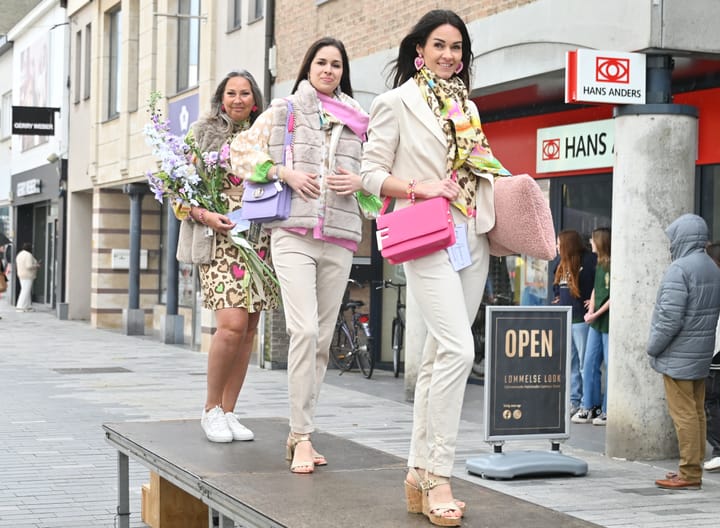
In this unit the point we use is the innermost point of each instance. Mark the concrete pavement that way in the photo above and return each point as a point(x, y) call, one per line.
point(60, 380)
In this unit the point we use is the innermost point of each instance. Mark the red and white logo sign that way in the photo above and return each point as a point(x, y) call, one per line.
point(604, 77)
point(612, 70)
point(551, 149)
point(575, 147)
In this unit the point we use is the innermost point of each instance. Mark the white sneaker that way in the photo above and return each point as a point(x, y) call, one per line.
point(215, 425)
point(239, 431)
point(713, 464)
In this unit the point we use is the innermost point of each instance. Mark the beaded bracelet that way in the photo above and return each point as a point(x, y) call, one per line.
point(411, 190)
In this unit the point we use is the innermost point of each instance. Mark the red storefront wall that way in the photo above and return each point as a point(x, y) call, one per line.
point(514, 141)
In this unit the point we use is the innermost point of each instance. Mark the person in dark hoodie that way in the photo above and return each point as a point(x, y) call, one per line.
point(682, 340)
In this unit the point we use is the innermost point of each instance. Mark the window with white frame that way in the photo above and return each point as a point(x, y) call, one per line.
point(234, 11)
point(188, 45)
point(114, 57)
point(76, 88)
point(87, 62)
point(257, 9)
point(6, 115)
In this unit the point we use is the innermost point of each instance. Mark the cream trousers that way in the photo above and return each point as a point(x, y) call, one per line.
point(448, 301)
point(24, 301)
point(313, 277)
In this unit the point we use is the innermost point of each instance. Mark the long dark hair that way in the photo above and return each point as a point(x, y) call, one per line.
point(571, 251)
point(404, 67)
point(217, 98)
point(302, 75)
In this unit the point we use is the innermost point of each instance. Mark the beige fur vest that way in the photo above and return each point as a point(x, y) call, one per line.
point(341, 213)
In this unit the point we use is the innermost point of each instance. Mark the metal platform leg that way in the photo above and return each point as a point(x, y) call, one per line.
point(123, 508)
point(222, 521)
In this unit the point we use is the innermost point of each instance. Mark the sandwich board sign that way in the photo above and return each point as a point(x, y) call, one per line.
point(527, 390)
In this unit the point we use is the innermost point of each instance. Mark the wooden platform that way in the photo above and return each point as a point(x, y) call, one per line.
point(250, 482)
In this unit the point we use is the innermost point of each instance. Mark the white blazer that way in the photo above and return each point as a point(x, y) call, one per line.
point(406, 140)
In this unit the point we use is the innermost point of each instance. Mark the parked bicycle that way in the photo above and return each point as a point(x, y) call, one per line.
point(398, 324)
point(352, 342)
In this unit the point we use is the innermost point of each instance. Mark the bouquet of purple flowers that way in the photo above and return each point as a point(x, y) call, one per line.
point(188, 177)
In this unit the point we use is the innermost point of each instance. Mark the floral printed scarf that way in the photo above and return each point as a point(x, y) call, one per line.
point(468, 150)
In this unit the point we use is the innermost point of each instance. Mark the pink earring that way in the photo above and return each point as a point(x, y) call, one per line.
point(459, 67)
point(222, 108)
point(419, 62)
point(254, 108)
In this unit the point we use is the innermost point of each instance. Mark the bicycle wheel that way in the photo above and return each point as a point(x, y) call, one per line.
point(397, 337)
point(364, 356)
point(341, 348)
point(478, 368)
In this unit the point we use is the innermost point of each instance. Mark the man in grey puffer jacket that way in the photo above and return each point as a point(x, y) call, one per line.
point(681, 343)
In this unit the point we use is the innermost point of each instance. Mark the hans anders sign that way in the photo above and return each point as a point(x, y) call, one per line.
point(612, 77)
point(575, 147)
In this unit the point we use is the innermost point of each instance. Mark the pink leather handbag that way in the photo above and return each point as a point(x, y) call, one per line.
point(415, 231)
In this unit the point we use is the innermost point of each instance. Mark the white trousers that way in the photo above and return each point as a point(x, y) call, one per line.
point(24, 301)
point(448, 301)
point(313, 277)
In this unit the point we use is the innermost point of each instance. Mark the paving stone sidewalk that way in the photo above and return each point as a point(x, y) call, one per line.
point(60, 380)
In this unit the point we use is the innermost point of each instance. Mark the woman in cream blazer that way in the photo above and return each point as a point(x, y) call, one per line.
point(414, 152)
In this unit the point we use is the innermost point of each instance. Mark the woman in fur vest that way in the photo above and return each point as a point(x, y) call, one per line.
point(313, 248)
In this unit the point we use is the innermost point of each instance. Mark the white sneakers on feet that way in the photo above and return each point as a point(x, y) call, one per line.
point(215, 425)
point(713, 464)
point(239, 431)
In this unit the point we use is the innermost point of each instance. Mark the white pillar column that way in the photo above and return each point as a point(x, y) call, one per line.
point(653, 184)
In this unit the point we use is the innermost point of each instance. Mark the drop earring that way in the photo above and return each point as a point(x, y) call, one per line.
point(222, 108)
point(419, 62)
point(254, 108)
point(459, 67)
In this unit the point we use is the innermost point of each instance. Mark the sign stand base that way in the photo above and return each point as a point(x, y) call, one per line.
point(499, 465)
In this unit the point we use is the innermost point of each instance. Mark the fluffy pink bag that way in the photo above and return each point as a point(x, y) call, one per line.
point(523, 222)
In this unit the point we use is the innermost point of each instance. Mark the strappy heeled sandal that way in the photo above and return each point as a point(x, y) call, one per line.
point(413, 493)
point(301, 467)
point(435, 512)
point(319, 459)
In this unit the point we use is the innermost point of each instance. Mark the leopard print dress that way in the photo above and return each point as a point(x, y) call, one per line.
point(224, 282)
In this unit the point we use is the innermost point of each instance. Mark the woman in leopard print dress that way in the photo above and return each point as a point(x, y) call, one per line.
point(237, 303)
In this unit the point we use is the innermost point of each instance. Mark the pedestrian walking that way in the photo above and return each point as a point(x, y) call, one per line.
point(26, 267)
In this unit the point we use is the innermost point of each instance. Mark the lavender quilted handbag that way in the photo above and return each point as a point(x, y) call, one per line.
point(268, 202)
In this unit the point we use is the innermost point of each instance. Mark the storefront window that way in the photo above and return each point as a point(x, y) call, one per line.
point(582, 203)
point(709, 198)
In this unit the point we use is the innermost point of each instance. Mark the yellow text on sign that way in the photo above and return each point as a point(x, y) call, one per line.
point(528, 343)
